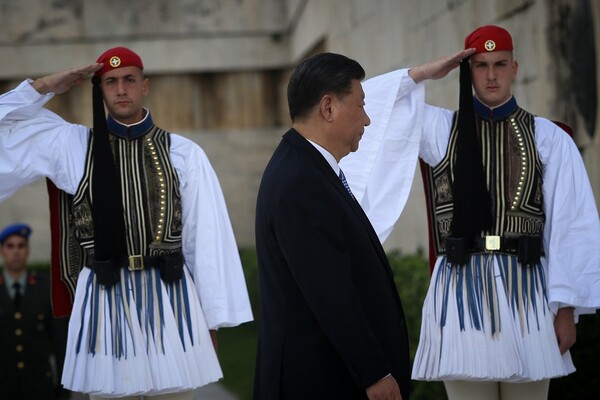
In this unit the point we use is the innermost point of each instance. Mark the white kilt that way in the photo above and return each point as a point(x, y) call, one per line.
point(151, 343)
point(488, 320)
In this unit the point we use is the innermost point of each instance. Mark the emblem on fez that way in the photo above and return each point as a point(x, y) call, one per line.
point(115, 61)
point(490, 45)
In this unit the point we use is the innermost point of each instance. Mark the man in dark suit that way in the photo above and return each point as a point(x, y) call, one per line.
point(332, 325)
point(29, 333)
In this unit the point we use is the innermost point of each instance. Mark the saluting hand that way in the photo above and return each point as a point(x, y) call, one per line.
point(439, 68)
point(62, 81)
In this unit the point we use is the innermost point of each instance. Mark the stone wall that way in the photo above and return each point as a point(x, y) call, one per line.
point(218, 71)
point(172, 36)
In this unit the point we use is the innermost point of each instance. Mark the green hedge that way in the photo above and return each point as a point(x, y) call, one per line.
point(237, 349)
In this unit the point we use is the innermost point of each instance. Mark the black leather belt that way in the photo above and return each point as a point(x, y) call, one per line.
point(107, 272)
point(527, 248)
point(136, 263)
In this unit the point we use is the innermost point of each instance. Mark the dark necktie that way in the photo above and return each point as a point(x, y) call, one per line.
point(17, 296)
point(343, 178)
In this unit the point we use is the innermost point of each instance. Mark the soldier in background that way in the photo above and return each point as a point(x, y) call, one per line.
point(29, 334)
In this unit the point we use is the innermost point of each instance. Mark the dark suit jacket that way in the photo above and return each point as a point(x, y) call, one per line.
point(331, 321)
point(27, 338)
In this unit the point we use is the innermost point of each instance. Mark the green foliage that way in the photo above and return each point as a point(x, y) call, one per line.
point(411, 274)
point(237, 346)
point(584, 384)
point(250, 266)
point(237, 355)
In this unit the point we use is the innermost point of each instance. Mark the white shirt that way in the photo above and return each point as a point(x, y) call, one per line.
point(328, 157)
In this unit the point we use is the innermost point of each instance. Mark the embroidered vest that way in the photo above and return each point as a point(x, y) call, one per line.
point(151, 199)
point(513, 174)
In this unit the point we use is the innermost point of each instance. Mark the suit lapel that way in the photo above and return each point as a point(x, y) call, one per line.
point(295, 139)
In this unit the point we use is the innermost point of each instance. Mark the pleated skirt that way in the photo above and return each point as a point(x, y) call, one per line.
point(488, 320)
point(139, 337)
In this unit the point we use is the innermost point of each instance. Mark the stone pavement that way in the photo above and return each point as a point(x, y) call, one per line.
point(213, 391)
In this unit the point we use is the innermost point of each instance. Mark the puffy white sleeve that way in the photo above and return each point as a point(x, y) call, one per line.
point(209, 246)
point(36, 143)
point(572, 230)
point(380, 173)
point(437, 123)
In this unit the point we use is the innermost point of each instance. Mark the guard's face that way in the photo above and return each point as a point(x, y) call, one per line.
point(493, 74)
point(124, 90)
point(351, 118)
point(15, 251)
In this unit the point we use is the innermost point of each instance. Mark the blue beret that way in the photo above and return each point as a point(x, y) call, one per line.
point(15, 229)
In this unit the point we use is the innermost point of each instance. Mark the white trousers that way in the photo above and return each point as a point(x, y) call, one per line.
point(187, 395)
point(480, 390)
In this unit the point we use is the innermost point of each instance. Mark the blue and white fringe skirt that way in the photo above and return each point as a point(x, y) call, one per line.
point(141, 336)
point(488, 320)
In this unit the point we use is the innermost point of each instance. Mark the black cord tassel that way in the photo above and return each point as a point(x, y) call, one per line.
point(472, 202)
point(107, 207)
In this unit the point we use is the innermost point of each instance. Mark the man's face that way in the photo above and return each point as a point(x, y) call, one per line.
point(124, 90)
point(351, 118)
point(14, 252)
point(493, 74)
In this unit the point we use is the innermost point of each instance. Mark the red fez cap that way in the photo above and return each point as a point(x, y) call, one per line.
point(118, 57)
point(489, 38)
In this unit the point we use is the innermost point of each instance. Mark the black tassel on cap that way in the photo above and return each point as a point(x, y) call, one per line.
point(472, 202)
point(107, 207)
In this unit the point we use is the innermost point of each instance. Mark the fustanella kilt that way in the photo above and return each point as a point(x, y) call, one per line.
point(488, 320)
point(149, 341)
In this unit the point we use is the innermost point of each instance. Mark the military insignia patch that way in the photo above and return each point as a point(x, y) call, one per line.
point(115, 61)
point(490, 45)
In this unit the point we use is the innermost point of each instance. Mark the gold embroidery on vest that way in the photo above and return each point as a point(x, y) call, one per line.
point(151, 198)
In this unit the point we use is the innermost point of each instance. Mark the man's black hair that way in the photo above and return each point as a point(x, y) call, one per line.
point(324, 73)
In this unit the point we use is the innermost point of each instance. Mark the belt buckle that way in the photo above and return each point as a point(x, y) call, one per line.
point(492, 243)
point(136, 263)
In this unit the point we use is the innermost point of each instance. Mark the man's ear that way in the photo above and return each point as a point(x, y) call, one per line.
point(326, 107)
point(146, 87)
